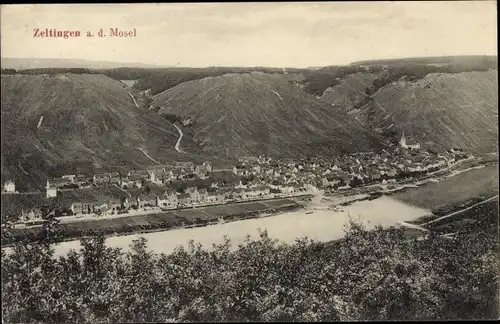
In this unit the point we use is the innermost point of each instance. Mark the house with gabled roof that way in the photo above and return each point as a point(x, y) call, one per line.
point(9, 186)
point(184, 200)
point(202, 195)
point(31, 214)
point(202, 171)
point(187, 166)
point(194, 194)
point(149, 200)
point(114, 178)
point(101, 178)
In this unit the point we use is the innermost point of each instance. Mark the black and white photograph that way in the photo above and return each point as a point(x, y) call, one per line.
point(249, 162)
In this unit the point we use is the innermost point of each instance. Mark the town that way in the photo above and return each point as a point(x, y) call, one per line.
point(254, 178)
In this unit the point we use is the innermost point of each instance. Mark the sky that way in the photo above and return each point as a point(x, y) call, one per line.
point(253, 34)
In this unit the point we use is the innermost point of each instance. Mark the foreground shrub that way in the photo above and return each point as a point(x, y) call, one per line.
point(368, 275)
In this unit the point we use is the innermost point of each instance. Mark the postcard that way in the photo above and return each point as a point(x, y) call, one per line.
point(240, 162)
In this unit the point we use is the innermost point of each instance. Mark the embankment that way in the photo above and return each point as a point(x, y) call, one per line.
point(162, 221)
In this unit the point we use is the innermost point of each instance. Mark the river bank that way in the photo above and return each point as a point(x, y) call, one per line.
point(162, 221)
point(287, 226)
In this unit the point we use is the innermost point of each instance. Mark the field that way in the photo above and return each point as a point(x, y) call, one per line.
point(163, 220)
point(475, 183)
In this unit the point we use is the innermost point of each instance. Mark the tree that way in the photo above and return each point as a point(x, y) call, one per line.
point(367, 275)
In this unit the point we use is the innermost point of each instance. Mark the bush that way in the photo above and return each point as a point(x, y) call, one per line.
point(368, 275)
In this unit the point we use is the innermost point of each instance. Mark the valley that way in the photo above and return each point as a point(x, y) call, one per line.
point(278, 162)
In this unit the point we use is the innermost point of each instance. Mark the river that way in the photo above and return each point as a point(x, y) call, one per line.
point(321, 224)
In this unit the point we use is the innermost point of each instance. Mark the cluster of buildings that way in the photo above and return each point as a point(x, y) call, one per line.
point(348, 171)
point(160, 175)
point(257, 178)
point(137, 201)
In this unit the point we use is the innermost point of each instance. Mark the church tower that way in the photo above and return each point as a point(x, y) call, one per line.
point(402, 141)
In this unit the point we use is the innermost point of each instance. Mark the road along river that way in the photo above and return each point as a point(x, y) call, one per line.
point(322, 225)
point(315, 222)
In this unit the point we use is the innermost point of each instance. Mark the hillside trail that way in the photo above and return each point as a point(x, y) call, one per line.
point(135, 102)
point(149, 157)
point(177, 144)
point(277, 94)
point(22, 169)
point(39, 122)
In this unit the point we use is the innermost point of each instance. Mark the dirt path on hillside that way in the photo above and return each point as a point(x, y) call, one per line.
point(177, 144)
point(149, 157)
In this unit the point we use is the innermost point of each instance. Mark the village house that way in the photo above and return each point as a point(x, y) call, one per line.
point(414, 168)
point(239, 194)
point(267, 172)
point(100, 178)
point(101, 208)
point(202, 171)
point(114, 178)
point(184, 200)
point(126, 183)
point(194, 194)
point(248, 159)
point(209, 166)
point(59, 182)
point(187, 166)
point(51, 190)
point(125, 202)
point(218, 197)
point(240, 170)
point(32, 214)
point(138, 174)
point(169, 199)
point(179, 173)
point(159, 175)
point(114, 205)
point(330, 181)
point(256, 168)
point(202, 195)
point(240, 185)
point(9, 186)
point(136, 180)
point(260, 192)
point(264, 159)
point(70, 177)
point(79, 208)
point(287, 190)
point(147, 201)
point(156, 168)
point(80, 180)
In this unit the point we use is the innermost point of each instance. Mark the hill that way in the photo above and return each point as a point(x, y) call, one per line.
point(249, 114)
point(317, 81)
point(163, 79)
point(350, 90)
point(441, 110)
point(68, 124)
point(489, 60)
